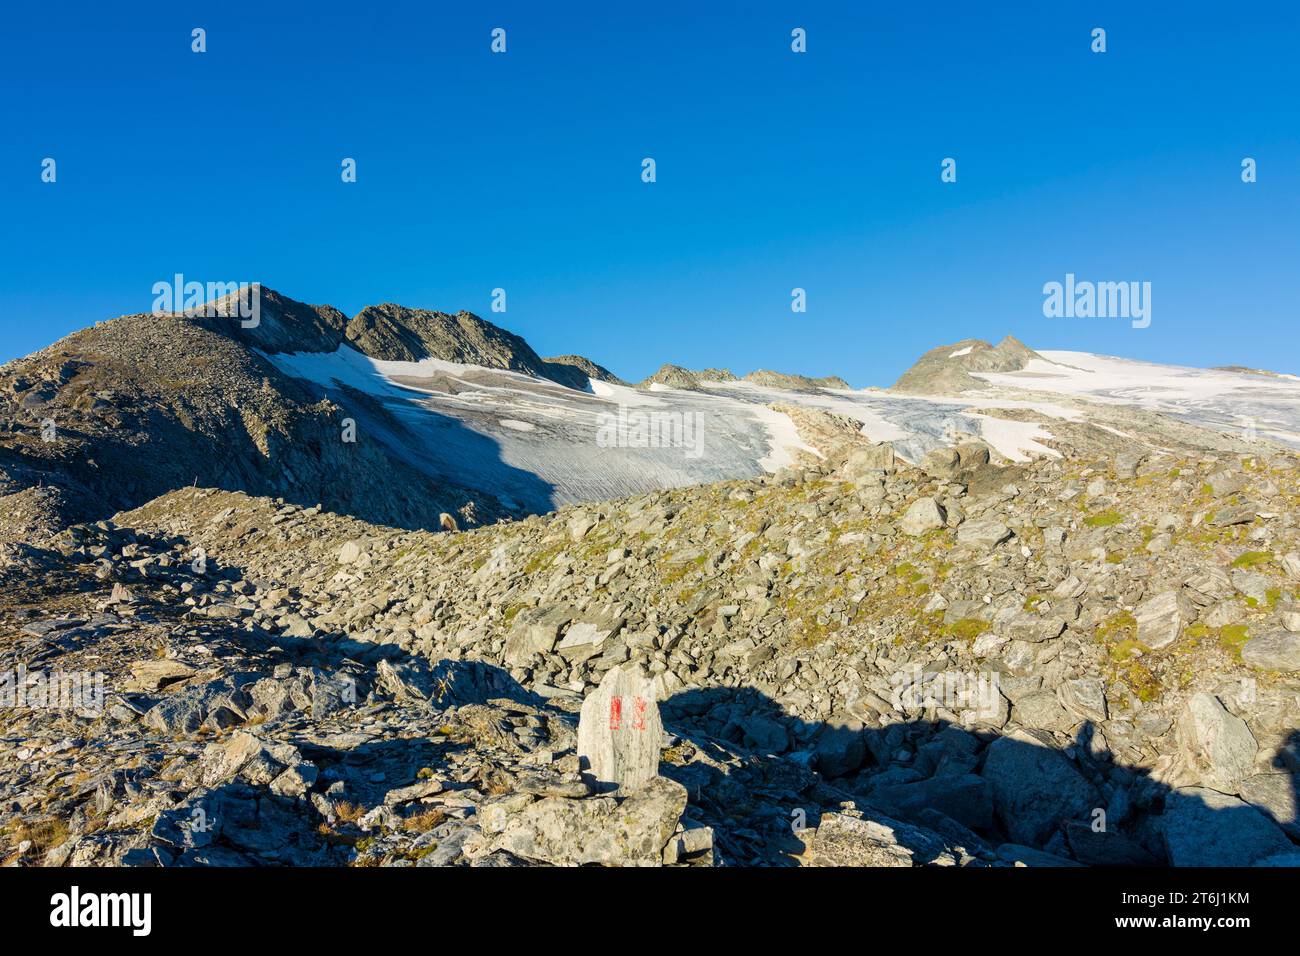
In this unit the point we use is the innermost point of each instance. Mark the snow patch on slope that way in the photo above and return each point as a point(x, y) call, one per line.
point(536, 442)
point(1225, 400)
point(539, 443)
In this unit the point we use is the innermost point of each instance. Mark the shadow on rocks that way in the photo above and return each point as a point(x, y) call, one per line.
point(929, 791)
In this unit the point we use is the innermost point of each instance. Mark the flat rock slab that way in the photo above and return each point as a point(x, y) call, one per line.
point(156, 674)
point(1279, 651)
point(612, 831)
point(1160, 619)
point(843, 840)
point(983, 534)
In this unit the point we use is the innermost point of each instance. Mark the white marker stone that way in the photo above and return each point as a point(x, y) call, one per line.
point(619, 730)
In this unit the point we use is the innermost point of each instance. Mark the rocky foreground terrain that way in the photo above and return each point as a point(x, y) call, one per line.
point(858, 661)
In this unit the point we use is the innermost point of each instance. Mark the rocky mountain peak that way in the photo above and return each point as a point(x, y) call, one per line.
point(946, 370)
point(785, 380)
point(674, 376)
point(281, 324)
point(561, 365)
point(396, 333)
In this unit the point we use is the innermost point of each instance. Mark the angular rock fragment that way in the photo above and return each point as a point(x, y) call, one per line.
point(629, 830)
point(1218, 745)
point(1035, 788)
point(982, 534)
point(1279, 651)
point(1160, 619)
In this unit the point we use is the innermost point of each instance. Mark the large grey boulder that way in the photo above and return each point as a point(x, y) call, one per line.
point(1085, 697)
point(844, 840)
point(1160, 619)
point(973, 454)
point(850, 841)
point(864, 463)
point(1202, 827)
point(219, 762)
point(623, 830)
point(1275, 794)
point(216, 705)
point(1218, 746)
point(941, 462)
point(582, 641)
point(1042, 711)
point(1035, 788)
point(535, 631)
point(922, 515)
point(1224, 483)
point(1278, 651)
point(406, 681)
point(331, 693)
point(983, 534)
point(1231, 514)
point(259, 762)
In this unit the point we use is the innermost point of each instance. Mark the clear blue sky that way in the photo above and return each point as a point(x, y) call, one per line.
point(775, 170)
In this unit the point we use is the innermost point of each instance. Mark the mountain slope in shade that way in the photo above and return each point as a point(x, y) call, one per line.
point(128, 409)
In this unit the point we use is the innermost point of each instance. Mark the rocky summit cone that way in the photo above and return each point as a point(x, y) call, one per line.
point(946, 370)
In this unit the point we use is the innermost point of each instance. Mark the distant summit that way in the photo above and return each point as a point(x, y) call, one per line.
point(562, 365)
point(283, 324)
point(395, 333)
point(674, 376)
point(1246, 370)
point(783, 380)
point(946, 370)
